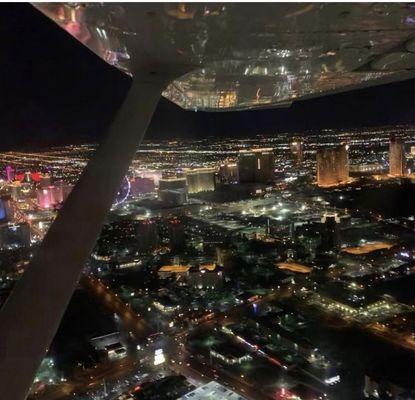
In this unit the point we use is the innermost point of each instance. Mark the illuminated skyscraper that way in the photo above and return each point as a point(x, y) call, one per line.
point(200, 180)
point(296, 148)
point(332, 166)
point(51, 196)
point(10, 173)
point(256, 166)
point(64, 189)
point(44, 198)
point(397, 162)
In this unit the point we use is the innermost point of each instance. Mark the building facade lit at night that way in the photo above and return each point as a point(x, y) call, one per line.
point(332, 166)
point(397, 162)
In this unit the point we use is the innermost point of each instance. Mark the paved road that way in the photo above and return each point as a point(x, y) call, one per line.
point(194, 370)
point(87, 380)
point(112, 302)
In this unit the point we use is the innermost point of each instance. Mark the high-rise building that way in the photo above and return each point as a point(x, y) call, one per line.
point(172, 183)
point(224, 256)
point(16, 190)
point(332, 165)
point(10, 173)
point(44, 198)
point(6, 209)
point(147, 235)
point(65, 189)
point(52, 196)
point(45, 180)
point(228, 172)
point(176, 234)
point(173, 191)
point(60, 191)
point(330, 239)
point(141, 185)
point(256, 166)
point(200, 180)
point(296, 148)
point(397, 162)
point(247, 166)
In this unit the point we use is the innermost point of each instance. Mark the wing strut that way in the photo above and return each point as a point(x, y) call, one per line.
point(30, 317)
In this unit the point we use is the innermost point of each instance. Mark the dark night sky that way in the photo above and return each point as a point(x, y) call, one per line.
point(53, 91)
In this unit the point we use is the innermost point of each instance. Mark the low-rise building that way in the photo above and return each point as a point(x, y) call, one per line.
point(229, 353)
point(212, 391)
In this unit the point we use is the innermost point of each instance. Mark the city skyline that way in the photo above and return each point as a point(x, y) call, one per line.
point(167, 225)
point(207, 201)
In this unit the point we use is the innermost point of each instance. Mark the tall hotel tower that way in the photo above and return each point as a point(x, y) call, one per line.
point(397, 162)
point(296, 148)
point(256, 166)
point(332, 166)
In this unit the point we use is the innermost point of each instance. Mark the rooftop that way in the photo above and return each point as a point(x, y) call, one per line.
point(175, 268)
point(368, 248)
point(212, 391)
point(294, 267)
